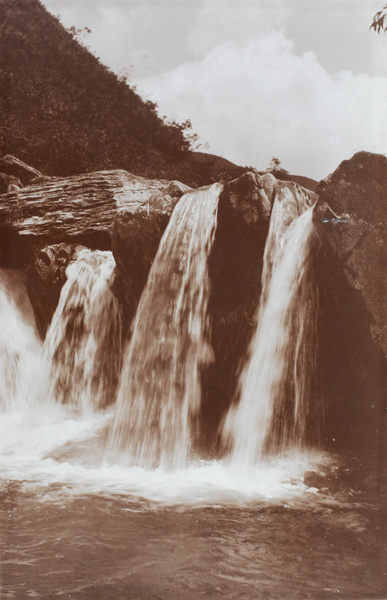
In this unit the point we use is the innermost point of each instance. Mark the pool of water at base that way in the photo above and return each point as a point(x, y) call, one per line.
point(75, 526)
point(98, 547)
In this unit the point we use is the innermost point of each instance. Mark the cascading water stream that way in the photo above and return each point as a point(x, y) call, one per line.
point(274, 387)
point(159, 395)
point(22, 368)
point(83, 343)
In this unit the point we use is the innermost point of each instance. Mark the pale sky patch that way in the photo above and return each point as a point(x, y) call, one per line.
point(306, 82)
point(257, 99)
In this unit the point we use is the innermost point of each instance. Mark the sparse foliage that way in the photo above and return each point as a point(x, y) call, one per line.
point(125, 75)
point(379, 22)
point(79, 33)
point(275, 163)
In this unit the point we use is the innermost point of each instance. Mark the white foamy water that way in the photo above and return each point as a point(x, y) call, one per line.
point(274, 387)
point(60, 454)
point(160, 391)
point(23, 378)
point(83, 343)
point(75, 523)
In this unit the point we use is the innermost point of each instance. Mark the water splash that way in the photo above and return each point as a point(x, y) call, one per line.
point(159, 396)
point(83, 343)
point(274, 387)
point(22, 369)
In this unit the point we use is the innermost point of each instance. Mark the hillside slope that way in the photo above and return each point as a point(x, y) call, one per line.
point(65, 113)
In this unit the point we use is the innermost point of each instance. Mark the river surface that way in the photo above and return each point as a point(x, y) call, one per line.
point(74, 525)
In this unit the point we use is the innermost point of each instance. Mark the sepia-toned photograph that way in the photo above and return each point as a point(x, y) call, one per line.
point(193, 321)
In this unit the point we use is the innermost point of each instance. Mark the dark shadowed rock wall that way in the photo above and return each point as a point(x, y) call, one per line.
point(235, 270)
point(351, 219)
point(46, 275)
point(236, 264)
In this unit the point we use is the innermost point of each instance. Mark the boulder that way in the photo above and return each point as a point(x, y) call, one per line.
point(78, 210)
point(46, 275)
point(137, 232)
point(350, 217)
point(282, 175)
point(9, 183)
point(17, 168)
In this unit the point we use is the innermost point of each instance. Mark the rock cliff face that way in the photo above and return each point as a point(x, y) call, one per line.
point(351, 217)
point(74, 210)
point(235, 270)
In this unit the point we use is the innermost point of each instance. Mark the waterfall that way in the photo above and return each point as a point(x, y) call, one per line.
point(22, 372)
point(160, 393)
point(274, 387)
point(83, 343)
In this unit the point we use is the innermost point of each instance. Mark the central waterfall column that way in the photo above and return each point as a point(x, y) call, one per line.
point(274, 387)
point(160, 391)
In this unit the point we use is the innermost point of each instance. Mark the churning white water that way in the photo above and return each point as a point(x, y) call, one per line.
point(22, 370)
point(274, 388)
point(160, 391)
point(83, 343)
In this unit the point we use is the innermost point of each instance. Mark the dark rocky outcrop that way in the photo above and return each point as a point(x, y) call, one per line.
point(350, 217)
point(137, 231)
point(9, 183)
point(10, 165)
point(352, 220)
point(235, 267)
point(282, 175)
point(46, 275)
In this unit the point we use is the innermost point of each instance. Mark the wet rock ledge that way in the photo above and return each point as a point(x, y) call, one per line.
point(79, 209)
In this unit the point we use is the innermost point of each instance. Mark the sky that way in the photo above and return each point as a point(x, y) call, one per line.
point(302, 81)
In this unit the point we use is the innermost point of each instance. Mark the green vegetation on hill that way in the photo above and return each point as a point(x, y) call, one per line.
point(64, 112)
